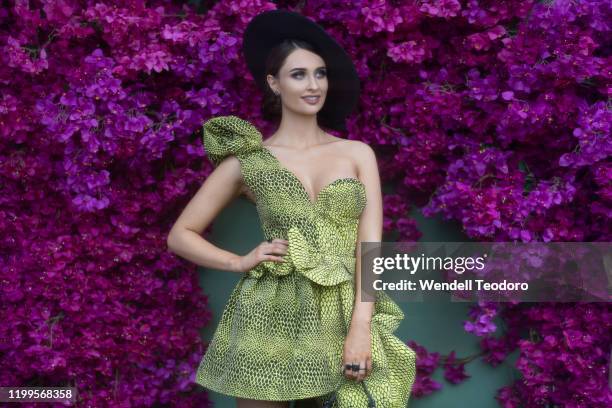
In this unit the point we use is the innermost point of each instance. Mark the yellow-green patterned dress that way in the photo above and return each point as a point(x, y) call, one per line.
point(282, 332)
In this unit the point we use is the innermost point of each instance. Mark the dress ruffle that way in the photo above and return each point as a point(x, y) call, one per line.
point(323, 268)
point(229, 135)
point(393, 362)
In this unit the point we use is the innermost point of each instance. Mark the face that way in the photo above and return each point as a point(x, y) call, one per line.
point(303, 73)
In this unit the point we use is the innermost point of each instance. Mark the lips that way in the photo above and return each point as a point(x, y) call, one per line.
point(311, 99)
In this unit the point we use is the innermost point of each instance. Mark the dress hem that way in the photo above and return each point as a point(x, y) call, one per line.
point(221, 390)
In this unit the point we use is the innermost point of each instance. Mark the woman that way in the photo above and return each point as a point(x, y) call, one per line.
point(293, 328)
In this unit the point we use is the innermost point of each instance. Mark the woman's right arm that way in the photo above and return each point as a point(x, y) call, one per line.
point(185, 239)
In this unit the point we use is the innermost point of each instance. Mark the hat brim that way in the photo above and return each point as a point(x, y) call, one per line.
point(269, 28)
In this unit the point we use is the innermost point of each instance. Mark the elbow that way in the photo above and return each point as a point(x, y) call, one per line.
point(177, 238)
point(170, 241)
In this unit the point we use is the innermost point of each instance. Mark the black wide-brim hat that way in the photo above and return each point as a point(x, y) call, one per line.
point(269, 28)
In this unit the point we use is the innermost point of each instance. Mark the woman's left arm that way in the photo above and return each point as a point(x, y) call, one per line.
point(358, 343)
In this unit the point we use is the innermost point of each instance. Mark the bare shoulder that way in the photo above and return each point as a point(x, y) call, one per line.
point(230, 168)
point(360, 152)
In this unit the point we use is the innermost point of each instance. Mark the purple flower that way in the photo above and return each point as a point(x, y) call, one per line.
point(454, 372)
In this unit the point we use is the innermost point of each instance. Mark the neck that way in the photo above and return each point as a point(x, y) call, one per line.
point(299, 131)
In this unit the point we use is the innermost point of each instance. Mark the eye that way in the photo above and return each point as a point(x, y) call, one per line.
point(299, 74)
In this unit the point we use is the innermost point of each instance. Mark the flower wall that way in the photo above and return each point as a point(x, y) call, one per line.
point(492, 114)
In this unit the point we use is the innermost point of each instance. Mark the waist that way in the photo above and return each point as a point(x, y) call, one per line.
point(316, 241)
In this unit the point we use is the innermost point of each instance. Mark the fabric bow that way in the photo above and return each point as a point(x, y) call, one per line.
point(324, 268)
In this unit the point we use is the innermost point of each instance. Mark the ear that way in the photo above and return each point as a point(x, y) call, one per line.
point(271, 82)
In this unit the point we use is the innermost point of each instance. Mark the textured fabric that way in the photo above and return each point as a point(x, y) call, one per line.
point(282, 332)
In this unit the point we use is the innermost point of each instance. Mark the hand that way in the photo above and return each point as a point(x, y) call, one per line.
point(358, 350)
point(265, 251)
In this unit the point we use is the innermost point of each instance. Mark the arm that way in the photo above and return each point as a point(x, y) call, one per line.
point(370, 227)
point(185, 238)
point(357, 346)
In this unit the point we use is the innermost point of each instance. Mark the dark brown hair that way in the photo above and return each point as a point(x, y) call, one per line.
point(271, 108)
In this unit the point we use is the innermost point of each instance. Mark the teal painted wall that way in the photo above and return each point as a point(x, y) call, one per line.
point(437, 326)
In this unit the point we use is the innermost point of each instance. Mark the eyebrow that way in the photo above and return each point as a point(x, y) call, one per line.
point(300, 68)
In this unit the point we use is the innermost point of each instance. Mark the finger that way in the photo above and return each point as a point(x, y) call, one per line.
point(361, 372)
point(355, 370)
point(281, 248)
point(271, 249)
point(348, 371)
point(276, 248)
point(275, 258)
point(282, 251)
point(277, 241)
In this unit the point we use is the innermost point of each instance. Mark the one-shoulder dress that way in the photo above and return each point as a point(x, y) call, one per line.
point(282, 332)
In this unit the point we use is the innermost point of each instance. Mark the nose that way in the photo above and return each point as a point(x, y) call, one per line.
point(313, 84)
